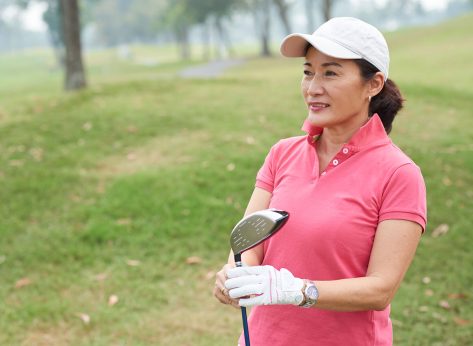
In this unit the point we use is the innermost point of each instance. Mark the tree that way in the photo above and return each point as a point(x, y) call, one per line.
point(52, 18)
point(179, 18)
point(137, 20)
point(63, 20)
point(182, 15)
point(327, 7)
point(283, 10)
point(261, 10)
point(74, 68)
point(309, 10)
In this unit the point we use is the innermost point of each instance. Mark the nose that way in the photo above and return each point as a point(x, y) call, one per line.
point(315, 87)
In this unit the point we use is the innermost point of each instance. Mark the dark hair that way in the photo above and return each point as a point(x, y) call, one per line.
point(388, 102)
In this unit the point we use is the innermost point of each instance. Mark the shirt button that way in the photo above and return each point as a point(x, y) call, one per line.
point(335, 162)
point(345, 150)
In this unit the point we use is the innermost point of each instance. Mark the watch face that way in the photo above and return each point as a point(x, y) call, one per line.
point(312, 292)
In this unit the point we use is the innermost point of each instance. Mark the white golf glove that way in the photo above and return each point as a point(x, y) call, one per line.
point(265, 285)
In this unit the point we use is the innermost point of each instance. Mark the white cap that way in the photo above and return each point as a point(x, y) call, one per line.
point(343, 38)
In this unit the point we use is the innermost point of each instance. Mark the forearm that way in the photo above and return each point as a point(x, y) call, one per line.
point(252, 257)
point(394, 247)
point(356, 294)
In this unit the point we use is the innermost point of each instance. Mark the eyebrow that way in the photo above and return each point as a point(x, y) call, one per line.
point(326, 64)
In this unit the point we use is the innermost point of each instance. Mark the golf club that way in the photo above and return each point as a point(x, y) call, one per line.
point(249, 232)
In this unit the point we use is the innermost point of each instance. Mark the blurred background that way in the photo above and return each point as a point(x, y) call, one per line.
point(191, 30)
point(130, 136)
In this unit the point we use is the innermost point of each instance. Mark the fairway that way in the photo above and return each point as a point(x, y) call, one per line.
point(117, 202)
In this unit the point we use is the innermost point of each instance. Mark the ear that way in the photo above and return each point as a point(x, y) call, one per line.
point(376, 84)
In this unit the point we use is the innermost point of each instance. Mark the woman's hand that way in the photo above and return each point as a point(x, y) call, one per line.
point(220, 291)
point(264, 285)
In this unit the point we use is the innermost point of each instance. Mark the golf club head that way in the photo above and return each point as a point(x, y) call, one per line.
point(255, 228)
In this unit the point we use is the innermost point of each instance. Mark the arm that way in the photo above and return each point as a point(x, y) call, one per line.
point(393, 250)
point(259, 200)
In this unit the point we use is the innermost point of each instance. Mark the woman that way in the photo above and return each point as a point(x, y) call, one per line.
point(357, 203)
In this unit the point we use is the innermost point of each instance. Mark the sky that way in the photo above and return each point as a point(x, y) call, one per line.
point(32, 17)
point(429, 5)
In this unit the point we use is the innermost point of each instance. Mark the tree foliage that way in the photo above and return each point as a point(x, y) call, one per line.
point(181, 15)
point(123, 21)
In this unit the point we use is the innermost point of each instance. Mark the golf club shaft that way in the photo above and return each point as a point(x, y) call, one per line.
point(243, 309)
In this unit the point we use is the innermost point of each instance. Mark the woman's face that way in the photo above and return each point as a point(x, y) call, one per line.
point(334, 91)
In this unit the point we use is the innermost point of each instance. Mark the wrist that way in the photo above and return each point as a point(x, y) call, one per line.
point(310, 294)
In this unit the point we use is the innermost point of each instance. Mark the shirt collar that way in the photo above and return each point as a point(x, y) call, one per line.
point(370, 134)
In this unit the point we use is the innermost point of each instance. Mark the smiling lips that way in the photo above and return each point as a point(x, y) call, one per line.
point(317, 106)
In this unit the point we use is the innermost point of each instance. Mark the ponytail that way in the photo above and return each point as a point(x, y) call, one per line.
point(388, 102)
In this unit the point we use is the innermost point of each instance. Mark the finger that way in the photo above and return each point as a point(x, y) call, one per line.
point(219, 293)
point(232, 302)
point(247, 302)
point(225, 300)
point(246, 291)
point(242, 281)
point(226, 268)
point(242, 271)
point(220, 278)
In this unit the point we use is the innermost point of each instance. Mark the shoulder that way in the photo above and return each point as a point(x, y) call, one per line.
point(289, 144)
point(402, 162)
point(389, 166)
point(287, 149)
point(400, 155)
point(400, 169)
point(389, 158)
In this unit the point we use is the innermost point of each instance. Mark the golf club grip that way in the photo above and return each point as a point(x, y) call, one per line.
point(246, 332)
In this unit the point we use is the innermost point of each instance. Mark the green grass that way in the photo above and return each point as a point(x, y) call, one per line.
point(136, 168)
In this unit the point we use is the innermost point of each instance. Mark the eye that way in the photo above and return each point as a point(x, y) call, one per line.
point(330, 73)
point(307, 72)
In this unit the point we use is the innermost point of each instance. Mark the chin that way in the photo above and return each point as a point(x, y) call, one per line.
point(317, 120)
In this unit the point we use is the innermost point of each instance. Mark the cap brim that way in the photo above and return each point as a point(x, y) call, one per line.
point(295, 45)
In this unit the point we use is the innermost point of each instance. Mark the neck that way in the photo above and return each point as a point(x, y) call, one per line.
point(333, 138)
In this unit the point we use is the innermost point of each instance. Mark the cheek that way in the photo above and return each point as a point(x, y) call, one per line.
point(304, 88)
point(350, 94)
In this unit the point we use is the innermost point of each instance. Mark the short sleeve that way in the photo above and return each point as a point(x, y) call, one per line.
point(404, 196)
point(266, 175)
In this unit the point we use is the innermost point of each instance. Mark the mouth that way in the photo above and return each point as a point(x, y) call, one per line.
point(317, 106)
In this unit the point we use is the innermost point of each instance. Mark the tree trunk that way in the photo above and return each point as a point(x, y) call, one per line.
point(261, 16)
point(75, 75)
point(58, 48)
point(309, 9)
point(182, 34)
point(327, 9)
point(53, 19)
point(283, 9)
point(223, 37)
point(205, 41)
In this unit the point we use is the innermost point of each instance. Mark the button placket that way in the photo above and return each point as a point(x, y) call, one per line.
point(344, 154)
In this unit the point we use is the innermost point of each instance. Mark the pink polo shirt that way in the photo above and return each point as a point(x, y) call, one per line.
point(331, 228)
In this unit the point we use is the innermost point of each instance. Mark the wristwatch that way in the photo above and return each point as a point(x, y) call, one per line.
point(311, 294)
